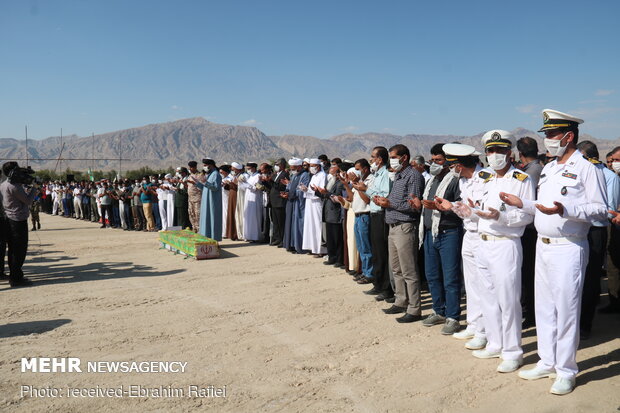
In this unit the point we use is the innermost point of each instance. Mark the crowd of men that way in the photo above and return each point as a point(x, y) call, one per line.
point(528, 240)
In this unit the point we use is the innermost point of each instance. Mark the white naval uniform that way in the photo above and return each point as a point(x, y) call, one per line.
point(562, 255)
point(499, 261)
point(472, 188)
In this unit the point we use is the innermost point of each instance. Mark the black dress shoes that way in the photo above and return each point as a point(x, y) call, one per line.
point(383, 296)
point(329, 262)
point(24, 282)
point(394, 310)
point(409, 318)
point(365, 280)
point(372, 291)
point(390, 300)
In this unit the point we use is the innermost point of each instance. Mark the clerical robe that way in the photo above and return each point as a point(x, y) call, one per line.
point(313, 215)
point(211, 206)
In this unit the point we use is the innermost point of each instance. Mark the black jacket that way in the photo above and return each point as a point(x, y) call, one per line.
point(332, 211)
point(275, 187)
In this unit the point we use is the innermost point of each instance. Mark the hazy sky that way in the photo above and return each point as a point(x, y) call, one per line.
point(316, 68)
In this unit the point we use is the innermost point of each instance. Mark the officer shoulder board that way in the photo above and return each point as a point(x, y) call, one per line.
point(519, 176)
point(592, 160)
point(485, 175)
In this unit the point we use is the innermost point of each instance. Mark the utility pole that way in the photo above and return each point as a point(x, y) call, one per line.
point(26, 145)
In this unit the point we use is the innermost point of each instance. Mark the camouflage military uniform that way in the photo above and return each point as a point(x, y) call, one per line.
point(34, 214)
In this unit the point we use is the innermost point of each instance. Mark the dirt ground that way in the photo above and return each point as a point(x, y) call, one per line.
point(282, 332)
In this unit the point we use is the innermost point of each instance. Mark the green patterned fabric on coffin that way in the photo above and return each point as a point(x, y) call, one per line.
point(185, 240)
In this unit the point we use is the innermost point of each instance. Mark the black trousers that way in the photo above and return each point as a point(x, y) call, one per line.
point(335, 242)
point(4, 234)
point(107, 209)
point(614, 255)
point(265, 226)
point(597, 240)
point(379, 247)
point(17, 240)
point(182, 216)
point(528, 242)
point(278, 217)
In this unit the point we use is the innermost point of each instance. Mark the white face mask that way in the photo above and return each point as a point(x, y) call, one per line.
point(497, 161)
point(358, 173)
point(395, 164)
point(435, 169)
point(293, 172)
point(554, 146)
point(374, 167)
point(276, 168)
point(391, 175)
point(314, 170)
point(615, 165)
point(233, 173)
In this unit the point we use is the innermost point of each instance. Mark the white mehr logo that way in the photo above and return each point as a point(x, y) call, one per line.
point(51, 365)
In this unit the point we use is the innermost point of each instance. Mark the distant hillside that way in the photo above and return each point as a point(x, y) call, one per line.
point(172, 144)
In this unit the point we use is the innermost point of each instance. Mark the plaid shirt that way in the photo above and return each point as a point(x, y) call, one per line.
point(407, 181)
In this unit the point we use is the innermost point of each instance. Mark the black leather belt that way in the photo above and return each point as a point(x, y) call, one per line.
point(357, 214)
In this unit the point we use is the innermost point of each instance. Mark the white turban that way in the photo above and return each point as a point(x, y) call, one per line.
point(236, 165)
point(314, 161)
point(295, 162)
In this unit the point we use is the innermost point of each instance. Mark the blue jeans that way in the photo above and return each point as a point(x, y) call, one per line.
point(155, 208)
point(362, 239)
point(116, 217)
point(442, 261)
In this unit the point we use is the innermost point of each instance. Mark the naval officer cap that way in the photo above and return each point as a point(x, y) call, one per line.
point(456, 151)
point(553, 119)
point(497, 138)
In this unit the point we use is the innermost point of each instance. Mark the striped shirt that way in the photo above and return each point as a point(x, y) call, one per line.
point(407, 181)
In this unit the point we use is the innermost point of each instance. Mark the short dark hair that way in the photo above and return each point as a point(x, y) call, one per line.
point(382, 152)
point(225, 168)
point(528, 147)
point(323, 157)
point(437, 149)
point(614, 150)
point(363, 163)
point(8, 167)
point(469, 161)
point(401, 150)
point(336, 161)
point(589, 149)
point(208, 161)
point(610, 153)
point(192, 164)
point(573, 129)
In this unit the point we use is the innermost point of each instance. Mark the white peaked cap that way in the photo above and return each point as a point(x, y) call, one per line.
point(459, 150)
point(498, 137)
point(553, 119)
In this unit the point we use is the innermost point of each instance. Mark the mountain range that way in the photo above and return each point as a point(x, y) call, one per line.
point(172, 144)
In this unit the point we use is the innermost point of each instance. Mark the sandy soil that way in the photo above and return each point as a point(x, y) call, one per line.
point(281, 332)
